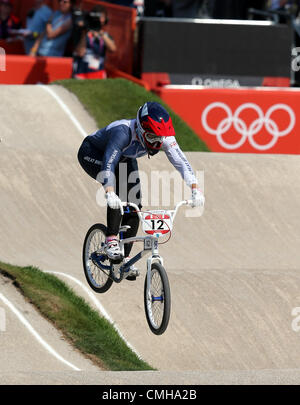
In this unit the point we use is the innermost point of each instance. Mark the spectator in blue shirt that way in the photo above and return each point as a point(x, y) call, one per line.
point(58, 31)
point(36, 23)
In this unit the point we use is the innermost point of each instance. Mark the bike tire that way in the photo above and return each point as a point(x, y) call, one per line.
point(98, 279)
point(157, 301)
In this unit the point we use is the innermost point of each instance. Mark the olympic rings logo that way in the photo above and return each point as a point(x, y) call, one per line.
point(248, 132)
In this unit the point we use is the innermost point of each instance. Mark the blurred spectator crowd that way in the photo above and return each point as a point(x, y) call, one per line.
point(71, 31)
point(220, 9)
point(48, 32)
point(68, 31)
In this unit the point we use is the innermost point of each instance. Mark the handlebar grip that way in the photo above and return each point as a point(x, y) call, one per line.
point(130, 204)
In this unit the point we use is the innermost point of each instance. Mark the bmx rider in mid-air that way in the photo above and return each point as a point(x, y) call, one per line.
point(123, 141)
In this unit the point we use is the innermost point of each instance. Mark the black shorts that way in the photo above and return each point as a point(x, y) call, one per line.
point(127, 181)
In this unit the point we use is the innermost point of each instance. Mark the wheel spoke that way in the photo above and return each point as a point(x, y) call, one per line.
point(96, 276)
point(157, 305)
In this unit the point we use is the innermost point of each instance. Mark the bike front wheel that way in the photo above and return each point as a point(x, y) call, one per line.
point(98, 279)
point(157, 299)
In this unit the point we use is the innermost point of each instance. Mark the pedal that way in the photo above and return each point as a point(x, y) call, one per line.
point(116, 261)
point(131, 275)
point(130, 278)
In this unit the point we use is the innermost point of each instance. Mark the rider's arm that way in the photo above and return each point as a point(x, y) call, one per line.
point(179, 161)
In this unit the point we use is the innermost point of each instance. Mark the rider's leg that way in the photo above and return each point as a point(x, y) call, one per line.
point(112, 240)
point(91, 161)
point(133, 221)
point(113, 217)
point(133, 194)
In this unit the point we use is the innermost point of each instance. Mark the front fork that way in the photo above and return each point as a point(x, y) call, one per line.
point(154, 257)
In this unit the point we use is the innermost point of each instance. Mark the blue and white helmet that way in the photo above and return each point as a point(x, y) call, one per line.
point(153, 125)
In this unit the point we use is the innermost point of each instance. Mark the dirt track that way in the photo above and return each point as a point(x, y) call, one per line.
point(234, 272)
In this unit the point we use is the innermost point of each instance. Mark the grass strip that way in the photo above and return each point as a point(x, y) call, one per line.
point(82, 326)
point(113, 99)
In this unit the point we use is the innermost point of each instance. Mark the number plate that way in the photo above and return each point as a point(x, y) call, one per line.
point(157, 223)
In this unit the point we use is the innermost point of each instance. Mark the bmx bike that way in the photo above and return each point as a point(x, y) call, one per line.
point(102, 272)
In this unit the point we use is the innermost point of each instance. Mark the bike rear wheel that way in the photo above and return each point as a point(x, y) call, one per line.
point(157, 299)
point(99, 280)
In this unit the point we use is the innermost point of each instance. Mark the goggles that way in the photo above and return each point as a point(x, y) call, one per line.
point(152, 138)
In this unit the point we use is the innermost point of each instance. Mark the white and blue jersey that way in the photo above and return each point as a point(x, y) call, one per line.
point(118, 142)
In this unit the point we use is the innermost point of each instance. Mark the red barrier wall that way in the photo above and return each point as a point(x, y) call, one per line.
point(22, 69)
point(241, 120)
point(115, 73)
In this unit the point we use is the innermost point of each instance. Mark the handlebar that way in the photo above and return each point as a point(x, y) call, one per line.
point(138, 211)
